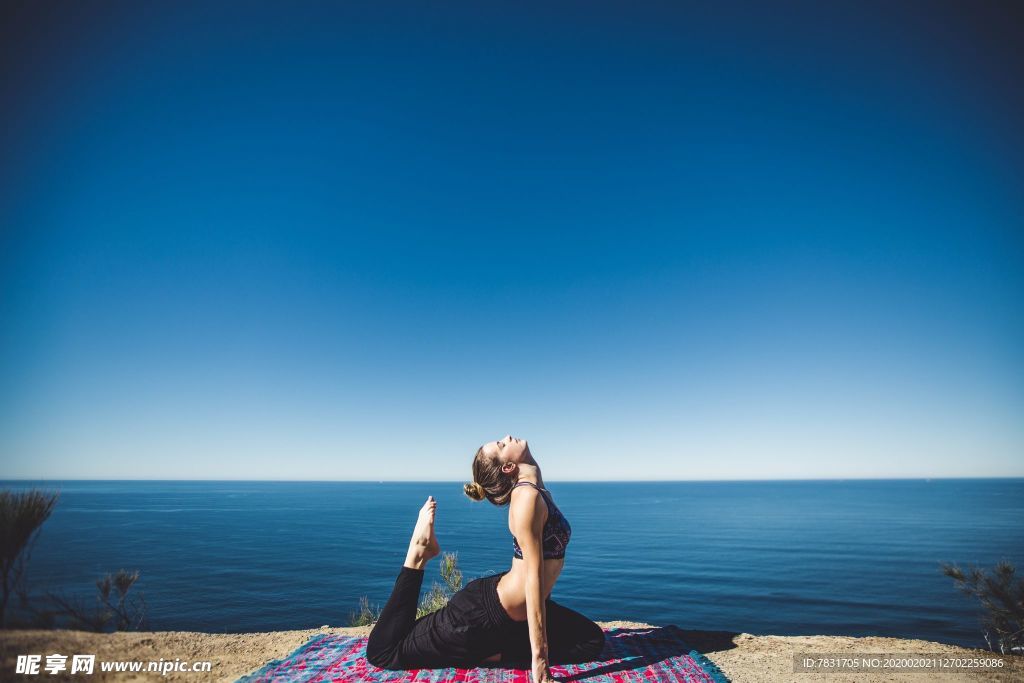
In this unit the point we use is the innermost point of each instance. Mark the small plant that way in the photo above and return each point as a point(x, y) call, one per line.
point(1002, 596)
point(365, 616)
point(439, 595)
point(21, 516)
point(435, 599)
point(115, 609)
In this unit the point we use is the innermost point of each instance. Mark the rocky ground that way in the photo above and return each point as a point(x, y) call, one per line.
point(741, 656)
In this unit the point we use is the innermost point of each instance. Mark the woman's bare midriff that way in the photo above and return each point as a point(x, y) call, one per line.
point(512, 586)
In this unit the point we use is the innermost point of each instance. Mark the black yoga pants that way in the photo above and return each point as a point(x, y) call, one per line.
point(470, 628)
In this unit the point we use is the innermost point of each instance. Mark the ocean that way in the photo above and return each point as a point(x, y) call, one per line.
point(836, 557)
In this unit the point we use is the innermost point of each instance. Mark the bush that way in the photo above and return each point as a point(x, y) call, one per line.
point(115, 609)
point(21, 516)
point(439, 595)
point(1002, 596)
point(366, 616)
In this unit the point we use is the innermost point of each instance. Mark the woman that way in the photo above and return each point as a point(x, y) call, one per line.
point(509, 617)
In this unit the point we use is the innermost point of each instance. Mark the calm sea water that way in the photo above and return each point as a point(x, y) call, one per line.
point(855, 557)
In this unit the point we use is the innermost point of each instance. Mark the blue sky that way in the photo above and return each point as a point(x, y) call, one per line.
point(660, 241)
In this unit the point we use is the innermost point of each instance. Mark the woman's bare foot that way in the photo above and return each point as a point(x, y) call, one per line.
point(423, 544)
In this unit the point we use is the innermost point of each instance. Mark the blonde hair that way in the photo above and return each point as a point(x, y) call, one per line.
point(489, 481)
point(474, 491)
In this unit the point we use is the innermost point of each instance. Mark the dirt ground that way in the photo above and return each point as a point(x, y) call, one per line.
point(742, 657)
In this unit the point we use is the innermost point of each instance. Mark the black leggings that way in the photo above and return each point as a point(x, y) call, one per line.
point(470, 628)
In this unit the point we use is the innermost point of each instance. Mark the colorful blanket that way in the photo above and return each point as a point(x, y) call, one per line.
point(652, 654)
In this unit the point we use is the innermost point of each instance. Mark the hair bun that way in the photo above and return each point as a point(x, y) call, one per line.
point(474, 491)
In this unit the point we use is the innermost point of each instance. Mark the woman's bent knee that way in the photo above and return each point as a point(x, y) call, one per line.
point(597, 643)
point(586, 647)
point(593, 644)
point(379, 657)
point(381, 661)
point(375, 658)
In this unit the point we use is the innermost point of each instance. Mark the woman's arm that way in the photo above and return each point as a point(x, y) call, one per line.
point(528, 525)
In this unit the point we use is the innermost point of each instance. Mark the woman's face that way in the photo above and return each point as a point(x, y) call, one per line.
point(509, 449)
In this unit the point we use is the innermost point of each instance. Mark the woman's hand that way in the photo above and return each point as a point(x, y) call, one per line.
point(541, 672)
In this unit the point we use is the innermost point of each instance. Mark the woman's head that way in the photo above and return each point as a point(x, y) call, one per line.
point(496, 469)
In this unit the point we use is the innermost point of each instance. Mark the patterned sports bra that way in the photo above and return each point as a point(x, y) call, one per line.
point(556, 530)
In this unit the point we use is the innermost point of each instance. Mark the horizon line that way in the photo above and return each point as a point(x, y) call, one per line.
point(561, 481)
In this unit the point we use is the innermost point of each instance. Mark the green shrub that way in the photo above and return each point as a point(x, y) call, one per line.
point(365, 616)
point(21, 516)
point(114, 608)
point(1002, 596)
point(439, 595)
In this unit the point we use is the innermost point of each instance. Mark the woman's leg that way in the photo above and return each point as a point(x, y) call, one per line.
point(397, 618)
point(572, 638)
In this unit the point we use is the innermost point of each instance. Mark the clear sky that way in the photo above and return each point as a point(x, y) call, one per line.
point(660, 241)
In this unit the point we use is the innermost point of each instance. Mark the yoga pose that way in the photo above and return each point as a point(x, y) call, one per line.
point(508, 618)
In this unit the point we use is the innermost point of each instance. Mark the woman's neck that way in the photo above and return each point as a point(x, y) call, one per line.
point(530, 473)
